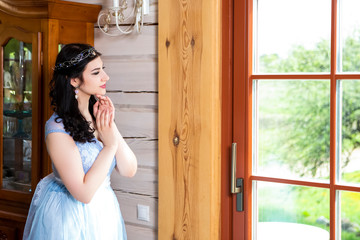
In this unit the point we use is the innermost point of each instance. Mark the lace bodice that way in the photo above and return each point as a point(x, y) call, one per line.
point(88, 151)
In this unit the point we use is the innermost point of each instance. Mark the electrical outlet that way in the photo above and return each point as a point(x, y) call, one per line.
point(143, 213)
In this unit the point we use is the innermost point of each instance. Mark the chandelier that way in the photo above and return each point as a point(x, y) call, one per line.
point(120, 19)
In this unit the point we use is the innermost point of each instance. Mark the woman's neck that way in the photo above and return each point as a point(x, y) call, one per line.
point(83, 105)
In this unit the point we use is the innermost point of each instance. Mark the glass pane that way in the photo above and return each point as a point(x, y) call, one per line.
point(350, 215)
point(349, 34)
point(349, 120)
point(17, 115)
point(292, 36)
point(290, 212)
point(292, 128)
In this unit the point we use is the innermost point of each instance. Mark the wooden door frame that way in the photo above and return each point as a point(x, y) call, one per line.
point(226, 118)
point(234, 75)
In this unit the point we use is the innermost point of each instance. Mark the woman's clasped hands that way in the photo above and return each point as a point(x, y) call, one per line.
point(104, 113)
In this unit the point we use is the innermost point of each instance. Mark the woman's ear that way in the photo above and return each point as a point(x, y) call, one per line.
point(75, 82)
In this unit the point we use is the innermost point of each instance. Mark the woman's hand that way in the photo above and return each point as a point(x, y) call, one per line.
point(106, 101)
point(106, 126)
point(125, 158)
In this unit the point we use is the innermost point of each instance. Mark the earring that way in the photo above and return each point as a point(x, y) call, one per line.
point(76, 92)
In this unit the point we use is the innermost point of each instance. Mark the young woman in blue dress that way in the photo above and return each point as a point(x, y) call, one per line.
point(76, 201)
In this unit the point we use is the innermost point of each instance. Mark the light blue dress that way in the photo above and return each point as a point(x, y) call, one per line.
point(55, 214)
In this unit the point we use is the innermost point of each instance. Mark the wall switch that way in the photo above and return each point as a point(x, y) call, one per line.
point(143, 213)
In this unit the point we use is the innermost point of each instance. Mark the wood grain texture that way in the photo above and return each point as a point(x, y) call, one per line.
point(134, 99)
point(135, 232)
point(145, 183)
point(131, 63)
point(146, 152)
point(133, 44)
point(74, 11)
point(58, 9)
point(189, 108)
point(132, 73)
point(128, 205)
point(142, 139)
point(140, 123)
point(50, 31)
point(26, 3)
point(32, 11)
point(68, 35)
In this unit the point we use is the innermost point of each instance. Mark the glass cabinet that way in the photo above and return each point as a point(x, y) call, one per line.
point(30, 36)
point(17, 115)
point(20, 114)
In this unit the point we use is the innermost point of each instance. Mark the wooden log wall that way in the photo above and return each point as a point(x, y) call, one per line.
point(131, 62)
point(189, 119)
point(186, 202)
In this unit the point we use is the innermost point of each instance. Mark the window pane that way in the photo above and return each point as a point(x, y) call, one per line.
point(291, 212)
point(349, 146)
point(292, 36)
point(292, 128)
point(350, 215)
point(349, 32)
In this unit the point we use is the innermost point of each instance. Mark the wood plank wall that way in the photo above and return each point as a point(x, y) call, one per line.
point(131, 63)
point(189, 82)
point(189, 119)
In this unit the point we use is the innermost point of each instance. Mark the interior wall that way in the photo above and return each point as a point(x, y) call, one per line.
point(131, 63)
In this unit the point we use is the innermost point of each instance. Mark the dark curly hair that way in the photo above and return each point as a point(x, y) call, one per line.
point(62, 93)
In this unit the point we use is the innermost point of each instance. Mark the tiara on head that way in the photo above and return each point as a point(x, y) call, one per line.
point(75, 60)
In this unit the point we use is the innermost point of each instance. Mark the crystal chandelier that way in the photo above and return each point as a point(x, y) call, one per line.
point(120, 19)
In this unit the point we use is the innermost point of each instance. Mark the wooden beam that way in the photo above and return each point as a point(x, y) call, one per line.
point(189, 119)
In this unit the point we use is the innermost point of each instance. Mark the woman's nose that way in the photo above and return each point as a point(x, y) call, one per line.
point(106, 77)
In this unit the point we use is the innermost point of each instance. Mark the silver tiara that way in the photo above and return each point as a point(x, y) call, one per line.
point(75, 60)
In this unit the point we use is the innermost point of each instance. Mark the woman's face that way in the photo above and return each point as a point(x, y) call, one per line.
point(94, 78)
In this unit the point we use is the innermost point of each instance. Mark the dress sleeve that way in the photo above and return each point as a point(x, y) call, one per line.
point(53, 125)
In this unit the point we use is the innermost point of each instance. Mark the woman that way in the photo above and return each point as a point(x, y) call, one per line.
point(84, 144)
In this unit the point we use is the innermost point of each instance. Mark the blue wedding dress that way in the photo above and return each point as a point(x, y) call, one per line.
point(55, 214)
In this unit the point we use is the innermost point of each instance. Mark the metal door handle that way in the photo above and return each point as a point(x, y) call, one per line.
point(236, 183)
point(234, 188)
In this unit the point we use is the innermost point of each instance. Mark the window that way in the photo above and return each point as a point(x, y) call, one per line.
point(301, 115)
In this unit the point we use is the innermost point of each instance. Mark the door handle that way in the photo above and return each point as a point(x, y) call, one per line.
point(237, 184)
point(234, 188)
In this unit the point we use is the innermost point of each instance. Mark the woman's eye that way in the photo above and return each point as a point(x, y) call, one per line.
point(95, 73)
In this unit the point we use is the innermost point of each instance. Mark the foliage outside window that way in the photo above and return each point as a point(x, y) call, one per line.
point(302, 139)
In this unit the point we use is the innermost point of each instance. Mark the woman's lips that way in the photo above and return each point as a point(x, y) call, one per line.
point(103, 86)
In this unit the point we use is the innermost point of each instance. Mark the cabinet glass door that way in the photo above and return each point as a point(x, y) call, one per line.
point(17, 115)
